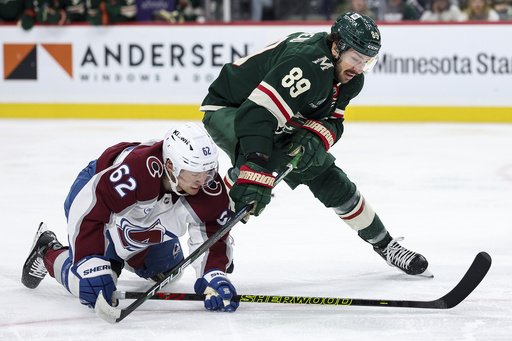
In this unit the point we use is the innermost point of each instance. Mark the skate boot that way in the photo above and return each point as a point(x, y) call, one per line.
point(34, 270)
point(408, 261)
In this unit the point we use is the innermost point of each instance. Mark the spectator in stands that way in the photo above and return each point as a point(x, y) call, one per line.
point(185, 10)
point(10, 10)
point(105, 12)
point(479, 10)
point(398, 10)
point(358, 6)
point(503, 8)
point(441, 10)
point(57, 12)
point(419, 5)
point(258, 7)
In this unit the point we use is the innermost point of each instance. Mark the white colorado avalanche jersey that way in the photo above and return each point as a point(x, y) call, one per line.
point(127, 198)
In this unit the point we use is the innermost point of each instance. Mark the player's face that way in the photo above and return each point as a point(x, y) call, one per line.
point(191, 182)
point(351, 64)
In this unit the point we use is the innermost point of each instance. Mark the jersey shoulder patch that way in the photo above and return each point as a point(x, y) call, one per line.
point(154, 166)
point(212, 202)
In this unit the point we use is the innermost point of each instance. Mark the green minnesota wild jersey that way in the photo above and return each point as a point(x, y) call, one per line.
point(279, 87)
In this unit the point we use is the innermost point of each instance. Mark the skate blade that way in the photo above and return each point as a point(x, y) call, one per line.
point(426, 274)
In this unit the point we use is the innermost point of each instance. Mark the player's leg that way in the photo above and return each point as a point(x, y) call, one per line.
point(334, 189)
point(48, 256)
point(220, 125)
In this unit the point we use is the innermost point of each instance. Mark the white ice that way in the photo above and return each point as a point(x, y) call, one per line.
point(447, 188)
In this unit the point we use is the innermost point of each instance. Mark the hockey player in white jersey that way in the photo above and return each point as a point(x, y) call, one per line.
point(127, 209)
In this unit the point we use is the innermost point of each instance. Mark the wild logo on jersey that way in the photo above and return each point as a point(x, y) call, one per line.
point(136, 237)
point(324, 62)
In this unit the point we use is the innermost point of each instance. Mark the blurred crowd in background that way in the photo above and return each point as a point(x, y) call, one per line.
point(104, 12)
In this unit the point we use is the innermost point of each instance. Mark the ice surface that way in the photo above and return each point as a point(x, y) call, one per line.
point(447, 188)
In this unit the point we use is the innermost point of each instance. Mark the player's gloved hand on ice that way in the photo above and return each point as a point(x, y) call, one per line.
point(253, 185)
point(218, 289)
point(95, 274)
point(313, 140)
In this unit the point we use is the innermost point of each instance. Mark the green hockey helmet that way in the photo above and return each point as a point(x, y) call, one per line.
point(358, 32)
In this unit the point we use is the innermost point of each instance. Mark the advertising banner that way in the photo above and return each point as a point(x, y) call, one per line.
point(122, 64)
point(419, 65)
point(442, 65)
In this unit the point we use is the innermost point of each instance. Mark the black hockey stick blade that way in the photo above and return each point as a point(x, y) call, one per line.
point(467, 284)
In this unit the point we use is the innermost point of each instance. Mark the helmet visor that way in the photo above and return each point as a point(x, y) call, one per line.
point(211, 174)
point(203, 178)
point(358, 60)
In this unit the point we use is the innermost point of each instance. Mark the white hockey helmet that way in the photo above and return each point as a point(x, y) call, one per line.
point(189, 147)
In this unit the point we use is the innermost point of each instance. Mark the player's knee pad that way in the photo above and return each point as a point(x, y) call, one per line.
point(161, 258)
point(332, 186)
point(356, 212)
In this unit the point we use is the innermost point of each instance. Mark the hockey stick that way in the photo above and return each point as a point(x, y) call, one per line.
point(114, 315)
point(467, 284)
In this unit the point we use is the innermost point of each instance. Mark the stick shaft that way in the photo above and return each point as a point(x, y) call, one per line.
point(466, 285)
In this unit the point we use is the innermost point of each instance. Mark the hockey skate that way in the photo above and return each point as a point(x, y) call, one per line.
point(34, 270)
point(408, 261)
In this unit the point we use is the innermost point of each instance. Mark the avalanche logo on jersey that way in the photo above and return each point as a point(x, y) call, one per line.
point(214, 188)
point(155, 167)
point(136, 237)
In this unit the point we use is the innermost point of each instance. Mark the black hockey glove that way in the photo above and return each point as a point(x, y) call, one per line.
point(314, 140)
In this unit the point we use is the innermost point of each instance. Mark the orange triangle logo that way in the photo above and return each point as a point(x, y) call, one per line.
point(14, 54)
point(63, 54)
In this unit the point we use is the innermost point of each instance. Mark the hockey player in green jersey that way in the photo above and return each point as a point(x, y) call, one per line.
point(290, 97)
